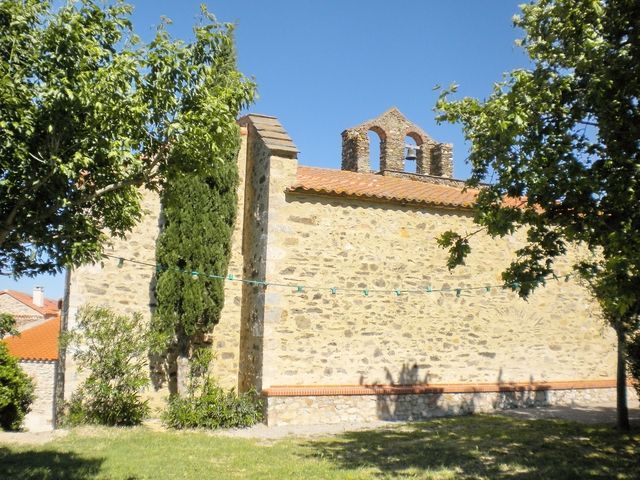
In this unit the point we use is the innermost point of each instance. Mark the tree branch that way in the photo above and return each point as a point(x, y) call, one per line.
point(469, 235)
point(8, 221)
point(137, 180)
point(150, 174)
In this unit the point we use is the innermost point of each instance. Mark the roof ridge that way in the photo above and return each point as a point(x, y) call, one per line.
point(27, 300)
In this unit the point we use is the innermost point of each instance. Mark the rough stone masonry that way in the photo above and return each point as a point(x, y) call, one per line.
point(364, 338)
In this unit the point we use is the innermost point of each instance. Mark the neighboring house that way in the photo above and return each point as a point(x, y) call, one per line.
point(37, 351)
point(372, 324)
point(27, 309)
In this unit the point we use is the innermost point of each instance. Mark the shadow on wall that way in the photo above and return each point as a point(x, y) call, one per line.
point(33, 464)
point(406, 407)
point(418, 400)
point(518, 396)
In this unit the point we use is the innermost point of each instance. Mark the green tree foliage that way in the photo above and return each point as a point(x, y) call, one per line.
point(88, 114)
point(196, 237)
point(7, 325)
point(565, 134)
point(16, 391)
point(112, 350)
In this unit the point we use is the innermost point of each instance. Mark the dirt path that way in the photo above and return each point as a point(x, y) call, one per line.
point(591, 414)
point(31, 438)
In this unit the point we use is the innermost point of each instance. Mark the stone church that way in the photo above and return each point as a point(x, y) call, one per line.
point(351, 313)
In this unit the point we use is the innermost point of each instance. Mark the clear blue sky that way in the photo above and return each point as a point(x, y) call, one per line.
point(323, 66)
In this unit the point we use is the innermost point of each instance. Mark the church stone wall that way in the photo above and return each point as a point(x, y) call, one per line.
point(226, 336)
point(315, 337)
point(41, 415)
point(311, 410)
point(125, 289)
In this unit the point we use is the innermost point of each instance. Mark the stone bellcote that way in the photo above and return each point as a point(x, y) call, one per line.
point(433, 158)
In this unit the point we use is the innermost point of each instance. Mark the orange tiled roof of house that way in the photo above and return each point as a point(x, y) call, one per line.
point(36, 343)
point(381, 187)
point(50, 306)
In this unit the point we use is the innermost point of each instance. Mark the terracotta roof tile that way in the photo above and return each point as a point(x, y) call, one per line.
point(372, 186)
point(36, 343)
point(386, 188)
point(50, 306)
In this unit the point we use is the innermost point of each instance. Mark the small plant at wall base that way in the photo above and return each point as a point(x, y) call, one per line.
point(16, 391)
point(207, 405)
point(112, 349)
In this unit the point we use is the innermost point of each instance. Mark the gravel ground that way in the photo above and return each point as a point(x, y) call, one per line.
point(592, 414)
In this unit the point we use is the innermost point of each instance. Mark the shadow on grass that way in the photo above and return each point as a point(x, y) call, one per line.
point(487, 447)
point(46, 464)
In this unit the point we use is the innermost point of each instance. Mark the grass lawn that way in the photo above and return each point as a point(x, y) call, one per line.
point(476, 447)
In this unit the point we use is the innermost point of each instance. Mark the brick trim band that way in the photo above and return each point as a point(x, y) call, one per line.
point(326, 390)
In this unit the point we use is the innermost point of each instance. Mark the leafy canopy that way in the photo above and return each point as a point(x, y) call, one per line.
point(196, 237)
point(88, 114)
point(199, 210)
point(565, 134)
point(7, 325)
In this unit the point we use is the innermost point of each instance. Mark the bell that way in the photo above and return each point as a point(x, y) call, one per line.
point(411, 153)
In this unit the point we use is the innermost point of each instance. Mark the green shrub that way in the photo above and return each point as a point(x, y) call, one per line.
point(207, 405)
point(213, 408)
point(108, 408)
point(16, 391)
point(113, 349)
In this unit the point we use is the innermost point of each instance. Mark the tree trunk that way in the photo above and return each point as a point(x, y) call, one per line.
point(182, 366)
point(621, 383)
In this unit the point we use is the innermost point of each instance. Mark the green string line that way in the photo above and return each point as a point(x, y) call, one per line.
point(334, 290)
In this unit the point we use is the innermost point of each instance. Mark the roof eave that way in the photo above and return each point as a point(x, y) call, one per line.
point(298, 190)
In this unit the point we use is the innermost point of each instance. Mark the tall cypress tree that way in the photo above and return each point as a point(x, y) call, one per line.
point(198, 215)
point(199, 204)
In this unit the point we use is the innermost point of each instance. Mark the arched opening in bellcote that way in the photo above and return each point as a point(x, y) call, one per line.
point(376, 138)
